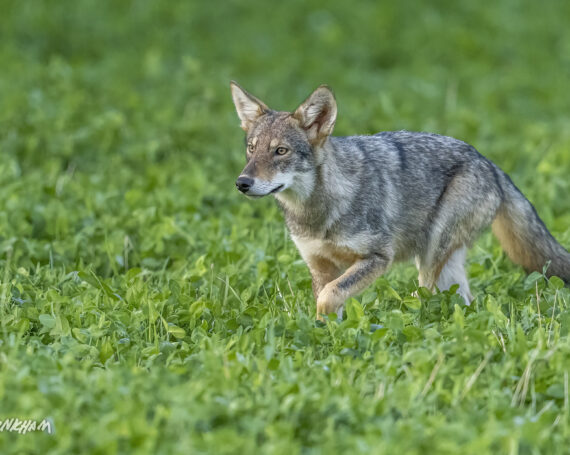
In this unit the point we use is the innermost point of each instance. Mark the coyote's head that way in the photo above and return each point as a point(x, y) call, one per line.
point(283, 148)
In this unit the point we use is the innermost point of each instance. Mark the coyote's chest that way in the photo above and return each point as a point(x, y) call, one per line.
point(342, 255)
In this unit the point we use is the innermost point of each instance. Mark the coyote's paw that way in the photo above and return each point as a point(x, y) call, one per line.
point(467, 297)
point(328, 302)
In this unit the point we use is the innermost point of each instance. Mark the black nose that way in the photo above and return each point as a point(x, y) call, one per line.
point(244, 184)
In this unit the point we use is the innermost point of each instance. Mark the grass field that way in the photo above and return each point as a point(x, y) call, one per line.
point(146, 307)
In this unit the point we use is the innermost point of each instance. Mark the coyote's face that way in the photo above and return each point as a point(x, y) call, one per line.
point(282, 148)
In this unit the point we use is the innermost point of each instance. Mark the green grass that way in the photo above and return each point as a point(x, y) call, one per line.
point(145, 307)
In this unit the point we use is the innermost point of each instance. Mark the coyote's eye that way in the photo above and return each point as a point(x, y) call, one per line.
point(281, 151)
point(250, 148)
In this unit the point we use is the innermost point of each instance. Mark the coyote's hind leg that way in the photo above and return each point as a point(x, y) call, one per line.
point(446, 273)
point(460, 215)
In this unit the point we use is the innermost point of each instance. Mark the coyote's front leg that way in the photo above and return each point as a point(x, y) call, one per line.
point(357, 277)
point(323, 271)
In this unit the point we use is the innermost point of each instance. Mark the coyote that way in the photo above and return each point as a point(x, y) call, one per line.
point(355, 205)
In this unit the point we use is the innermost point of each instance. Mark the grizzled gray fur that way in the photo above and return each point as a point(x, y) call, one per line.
point(355, 205)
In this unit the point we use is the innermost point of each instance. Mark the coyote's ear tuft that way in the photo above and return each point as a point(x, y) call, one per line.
point(248, 107)
point(317, 114)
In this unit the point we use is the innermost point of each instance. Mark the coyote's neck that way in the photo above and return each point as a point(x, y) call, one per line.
point(312, 214)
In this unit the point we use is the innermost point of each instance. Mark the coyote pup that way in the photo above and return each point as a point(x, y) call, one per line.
point(354, 205)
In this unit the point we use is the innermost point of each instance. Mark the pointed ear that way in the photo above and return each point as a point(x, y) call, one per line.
point(248, 107)
point(317, 114)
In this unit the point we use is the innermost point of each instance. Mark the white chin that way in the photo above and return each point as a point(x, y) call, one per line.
point(255, 196)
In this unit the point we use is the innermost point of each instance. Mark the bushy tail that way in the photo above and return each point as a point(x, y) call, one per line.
point(524, 236)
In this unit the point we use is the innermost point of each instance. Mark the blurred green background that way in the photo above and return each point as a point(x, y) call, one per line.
point(146, 306)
